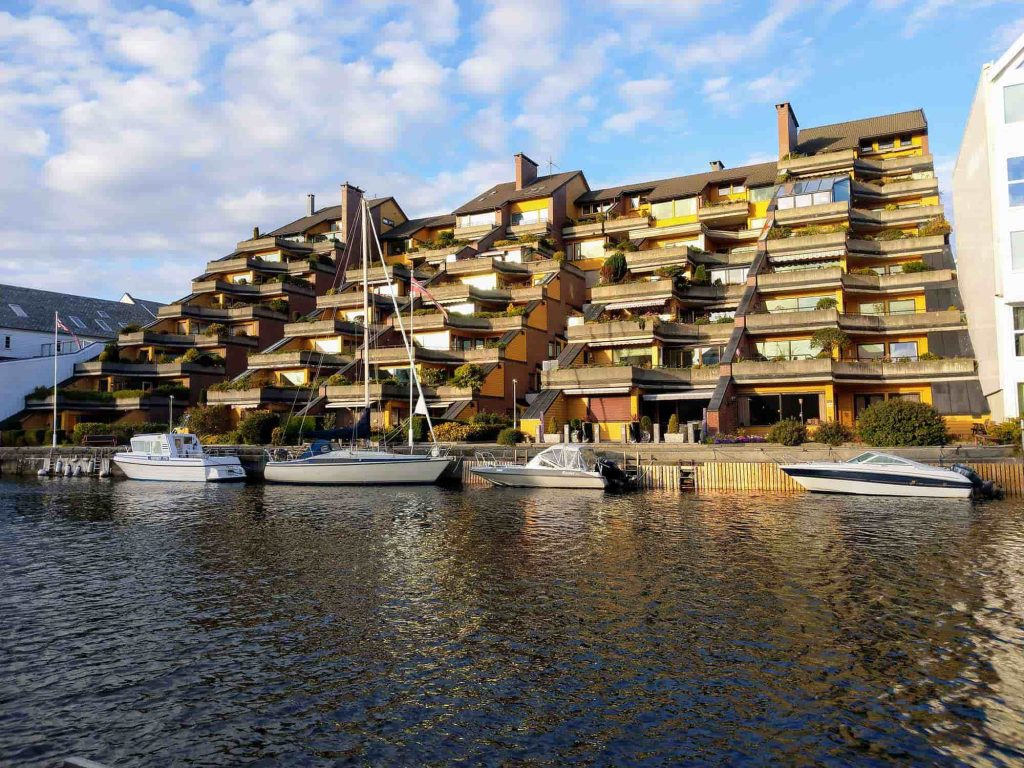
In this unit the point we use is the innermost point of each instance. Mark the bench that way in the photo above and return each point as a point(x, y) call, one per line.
point(99, 441)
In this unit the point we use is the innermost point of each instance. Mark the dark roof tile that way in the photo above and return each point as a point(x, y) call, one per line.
point(39, 307)
point(848, 135)
point(506, 192)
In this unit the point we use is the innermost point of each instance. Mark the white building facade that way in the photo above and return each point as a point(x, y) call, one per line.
point(988, 201)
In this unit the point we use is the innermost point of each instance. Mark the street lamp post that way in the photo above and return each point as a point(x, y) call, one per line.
point(801, 400)
point(170, 413)
point(514, 409)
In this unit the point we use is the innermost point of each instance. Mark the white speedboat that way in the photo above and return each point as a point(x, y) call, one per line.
point(882, 474)
point(322, 465)
point(560, 466)
point(176, 457)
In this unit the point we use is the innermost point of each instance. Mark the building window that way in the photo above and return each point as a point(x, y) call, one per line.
point(791, 349)
point(1017, 251)
point(77, 321)
point(529, 217)
point(766, 410)
point(673, 209)
point(7, 342)
point(1015, 177)
point(478, 220)
point(870, 351)
point(902, 307)
point(102, 325)
point(1013, 103)
point(1018, 330)
point(903, 350)
point(16, 309)
point(102, 314)
point(762, 194)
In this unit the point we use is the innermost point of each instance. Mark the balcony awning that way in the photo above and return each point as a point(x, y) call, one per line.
point(699, 394)
point(349, 403)
point(830, 253)
point(597, 391)
point(636, 304)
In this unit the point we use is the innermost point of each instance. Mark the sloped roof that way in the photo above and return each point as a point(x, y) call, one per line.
point(848, 135)
point(412, 226)
point(506, 192)
point(687, 186)
point(330, 213)
point(610, 193)
point(39, 307)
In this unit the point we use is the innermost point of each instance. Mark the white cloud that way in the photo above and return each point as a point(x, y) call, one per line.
point(730, 47)
point(645, 100)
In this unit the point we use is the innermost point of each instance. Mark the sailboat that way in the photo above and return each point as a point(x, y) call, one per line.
point(324, 464)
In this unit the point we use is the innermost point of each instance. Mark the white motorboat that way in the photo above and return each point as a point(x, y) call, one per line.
point(882, 474)
point(177, 458)
point(560, 466)
point(346, 466)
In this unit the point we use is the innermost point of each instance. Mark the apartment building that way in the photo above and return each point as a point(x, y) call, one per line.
point(808, 287)
point(988, 204)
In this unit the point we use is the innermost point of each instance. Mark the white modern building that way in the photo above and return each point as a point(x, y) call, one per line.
point(988, 203)
point(26, 320)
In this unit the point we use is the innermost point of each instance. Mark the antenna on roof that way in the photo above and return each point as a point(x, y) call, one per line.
point(551, 165)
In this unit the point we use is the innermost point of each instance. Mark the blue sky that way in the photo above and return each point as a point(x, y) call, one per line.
point(140, 141)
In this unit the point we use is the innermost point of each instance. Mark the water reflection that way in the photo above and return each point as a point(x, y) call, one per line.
point(269, 625)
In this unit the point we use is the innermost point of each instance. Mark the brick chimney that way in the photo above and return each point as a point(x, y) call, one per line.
point(351, 198)
point(526, 171)
point(310, 205)
point(788, 127)
point(717, 165)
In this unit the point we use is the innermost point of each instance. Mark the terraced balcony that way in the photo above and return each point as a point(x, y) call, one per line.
point(257, 397)
point(897, 190)
point(894, 166)
point(108, 404)
point(827, 245)
point(354, 300)
point(801, 279)
point(898, 282)
point(647, 330)
point(641, 290)
point(655, 258)
point(255, 292)
point(299, 358)
point(626, 223)
point(901, 217)
point(162, 370)
point(220, 314)
point(824, 162)
point(850, 371)
point(785, 322)
point(825, 213)
point(907, 246)
point(322, 328)
point(184, 341)
point(583, 229)
point(397, 356)
point(623, 378)
point(435, 321)
point(734, 212)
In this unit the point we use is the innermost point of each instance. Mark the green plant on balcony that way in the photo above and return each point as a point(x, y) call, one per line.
point(830, 340)
point(913, 267)
point(788, 432)
point(468, 376)
point(724, 320)
point(779, 233)
point(129, 394)
point(822, 229)
point(166, 390)
point(673, 425)
point(891, 234)
point(866, 271)
point(614, 269)
point(504, 243)
point(794, 155)
point(214, 329)
point(703, 320)
point(701, 275)
point(193, 355)
point(897, 422)
point(892, 207)
point(335, 380)
point(330, 291)
point(929, 356)
point(936, 226)
point(131, 328)
point(1004, 432)
point(433, 377)
point(39, 393)
point(529, 238)
point(110, 353)
point(826, 302)
point(278, 305)
point(558, 256)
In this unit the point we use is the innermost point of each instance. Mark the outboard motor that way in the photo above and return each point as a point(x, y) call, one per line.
point(985, 489)
point(610, 471)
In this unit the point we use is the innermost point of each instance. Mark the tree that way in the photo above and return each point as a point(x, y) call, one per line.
point(614, 268)
point(468, 376)
point(826, 302)
point(830, 340)
point(897, 422)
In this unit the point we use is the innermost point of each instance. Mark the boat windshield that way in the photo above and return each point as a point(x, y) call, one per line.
point(565, 457)
point(879, 458)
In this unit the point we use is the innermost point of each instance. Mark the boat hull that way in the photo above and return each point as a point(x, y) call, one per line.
point(830, 480)
point(517, 477)
point(322, 470)
point(208, 469)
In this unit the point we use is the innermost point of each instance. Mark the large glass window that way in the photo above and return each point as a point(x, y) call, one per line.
point(529, 217)
point(672, 209)
point(1017, 251)
point(821, 191)
point(1013, 103)
point(1018, 330)
point(870, 351)
point(797, 304)
point(733, 276)
point(1015, 177)
point(769, 409)
point(902, 307)
point(477, 219)
point(587, 249)
point(903, 350)
point(761, 194)
point(790, 349)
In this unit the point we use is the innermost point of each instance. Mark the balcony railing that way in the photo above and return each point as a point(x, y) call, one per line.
point(751, 371)
point(94, 368)
point(824, 213)
point(621, 377)
point(823, 162)
point(734, 212)
point(300, 358)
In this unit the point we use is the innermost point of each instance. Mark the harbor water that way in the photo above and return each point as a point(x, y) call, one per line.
point(156, 624)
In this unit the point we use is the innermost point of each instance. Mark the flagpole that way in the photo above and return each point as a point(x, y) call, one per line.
point(412, 351)
point(55, 320)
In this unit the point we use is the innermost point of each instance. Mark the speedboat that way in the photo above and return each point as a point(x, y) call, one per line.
point(321, 464)
point(176, 457)
point(560, 466)
point(882, 474)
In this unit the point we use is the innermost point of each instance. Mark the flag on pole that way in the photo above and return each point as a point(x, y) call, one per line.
point(62, 327)
point(421, 407)
point(419, 289)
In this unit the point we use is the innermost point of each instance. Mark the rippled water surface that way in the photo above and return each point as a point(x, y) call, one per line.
point(151, 624)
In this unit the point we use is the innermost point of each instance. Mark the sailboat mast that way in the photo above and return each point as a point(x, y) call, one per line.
point(412, 356)
point(366, 309)
point(55, 320)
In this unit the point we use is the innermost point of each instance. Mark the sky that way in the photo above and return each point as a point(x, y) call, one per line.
point(138, 142)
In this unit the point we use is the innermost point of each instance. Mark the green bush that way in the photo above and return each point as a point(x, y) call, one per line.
point(1004, 432)
point(296, 426)
point(489, 419)
point(898, 422)
point(39, 393)
point(164, 390)
point(278, 305)
point(468, 376)
point(614, 269)
point(85, 429)
point(829, 340)
point(673, 424)
point(124, 394)
point(647, 425)
point(433, 377)
point(833, 433)
point(110, 353)
point(257, 427)
point(558, 256)
point(912, 267)
point(131, 328)
point(701, 276)
point(788, 432)
point(209, 419)
point(826, 302)
point(509, 436)
point(936, 226)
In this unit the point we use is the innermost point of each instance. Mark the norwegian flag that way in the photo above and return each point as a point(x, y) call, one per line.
point(419, 289)
point(62, 327)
